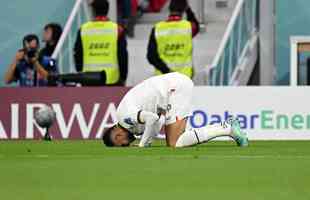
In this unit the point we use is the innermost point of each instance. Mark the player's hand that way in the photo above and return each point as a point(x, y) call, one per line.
point(145, 145)
point(149, 118)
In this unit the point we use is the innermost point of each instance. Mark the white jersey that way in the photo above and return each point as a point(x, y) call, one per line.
point(169, 95)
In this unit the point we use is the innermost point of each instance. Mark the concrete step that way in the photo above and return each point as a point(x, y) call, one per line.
point(151, 18)
point(206, 44)
point(142, 31)
point(214, 12)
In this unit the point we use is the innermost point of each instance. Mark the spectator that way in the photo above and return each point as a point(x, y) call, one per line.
point(132, 10)
point(144, 5)
point(127, 15)
point(170, 44)
point(155, 5)
point(26, 68)
point(101, 46)
point(51, 35)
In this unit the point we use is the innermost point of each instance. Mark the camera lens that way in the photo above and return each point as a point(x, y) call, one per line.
point(31, 53)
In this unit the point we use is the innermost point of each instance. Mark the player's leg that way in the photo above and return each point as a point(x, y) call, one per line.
point(202, 135)
point(174, 131)
point(178, 136)
point(179, 100)
point(229, 128)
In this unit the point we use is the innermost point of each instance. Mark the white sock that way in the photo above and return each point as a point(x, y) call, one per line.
point(196, 136)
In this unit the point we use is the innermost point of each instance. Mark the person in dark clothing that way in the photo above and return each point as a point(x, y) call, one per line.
point(127, 16)
point(177, 8)
point(26, 69)
point(95, 48)
point(51, 35)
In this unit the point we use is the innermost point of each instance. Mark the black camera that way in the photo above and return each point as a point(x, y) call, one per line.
point(85, 79)
point(31, 53)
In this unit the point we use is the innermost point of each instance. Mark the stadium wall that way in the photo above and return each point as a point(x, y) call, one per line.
point(266, 113)
point(292, 18)
point(18, 18)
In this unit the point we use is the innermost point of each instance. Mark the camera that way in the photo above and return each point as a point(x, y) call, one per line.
point(85, 79)
point(31, 53)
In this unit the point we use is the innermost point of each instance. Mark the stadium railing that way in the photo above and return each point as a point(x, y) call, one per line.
point(237, 54)
point(64, 50)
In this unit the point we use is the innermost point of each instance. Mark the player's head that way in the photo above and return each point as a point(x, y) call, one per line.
point(118, 137)
point(101, 7)
point(178, 6)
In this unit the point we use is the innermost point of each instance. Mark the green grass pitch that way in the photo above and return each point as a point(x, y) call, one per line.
point(85, 170)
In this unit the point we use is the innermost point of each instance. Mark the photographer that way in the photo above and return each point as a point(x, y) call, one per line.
point(26, 68)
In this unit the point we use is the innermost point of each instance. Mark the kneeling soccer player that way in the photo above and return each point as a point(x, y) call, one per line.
point(164, 101)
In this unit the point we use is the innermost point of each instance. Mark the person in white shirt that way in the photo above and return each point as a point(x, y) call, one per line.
point(164, 101)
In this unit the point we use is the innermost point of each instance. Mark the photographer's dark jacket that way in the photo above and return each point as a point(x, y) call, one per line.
point(26, 76)
point(47, 51)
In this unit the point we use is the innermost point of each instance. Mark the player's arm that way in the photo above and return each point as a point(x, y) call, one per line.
point(150, 132)
point(147, 137)
point(152, 127)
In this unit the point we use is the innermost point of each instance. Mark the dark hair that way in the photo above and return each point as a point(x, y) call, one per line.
point(56, 31)
point(178, 6)
point(107, 140)
point(101, 7)
point(30, 37)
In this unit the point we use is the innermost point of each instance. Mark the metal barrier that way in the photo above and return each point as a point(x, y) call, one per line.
point(235, 44)
point(64, 50)
point(202, 16)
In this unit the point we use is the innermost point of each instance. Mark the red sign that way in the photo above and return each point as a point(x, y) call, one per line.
point(81, 113)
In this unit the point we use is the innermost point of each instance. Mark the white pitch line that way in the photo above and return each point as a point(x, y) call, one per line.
point(237, 156)
point(168, 156)
point(32, 156)
point(258, 156)
point(42, 156)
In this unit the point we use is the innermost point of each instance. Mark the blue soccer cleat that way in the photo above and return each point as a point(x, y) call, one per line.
point(237, 134)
